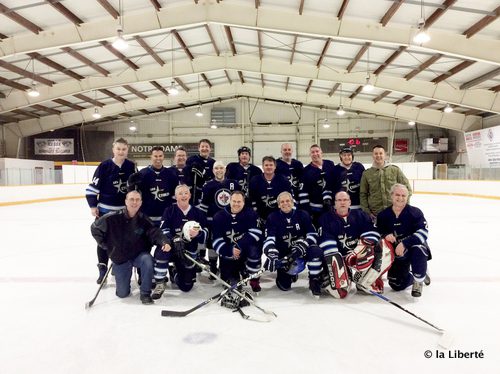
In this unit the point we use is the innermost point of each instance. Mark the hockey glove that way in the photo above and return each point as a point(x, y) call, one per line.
point(272, 262)
point(299, 248)
point(178, 248)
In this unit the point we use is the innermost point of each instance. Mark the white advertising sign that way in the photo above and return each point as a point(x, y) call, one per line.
point(483, 147)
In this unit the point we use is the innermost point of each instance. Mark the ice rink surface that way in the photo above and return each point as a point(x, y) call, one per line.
point(48, 271)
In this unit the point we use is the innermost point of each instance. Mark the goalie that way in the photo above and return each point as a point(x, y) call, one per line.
point(352, 250)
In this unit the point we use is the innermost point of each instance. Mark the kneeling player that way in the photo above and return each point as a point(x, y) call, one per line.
point(406, 227)
point(185, 226)
point(351, 234)
point(291, 239)
point(236, 239)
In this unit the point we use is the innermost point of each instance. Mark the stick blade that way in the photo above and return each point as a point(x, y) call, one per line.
point(446, 340)
point(173, 313)
point(88, 305)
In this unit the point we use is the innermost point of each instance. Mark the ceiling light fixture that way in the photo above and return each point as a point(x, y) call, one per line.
point(132, 128)
point(172, 90)
point(448, 108)
point(33, 92)
point(421, 36)
point(411, 123)
point(213, 125)
point(368, 87)
point(199, 113)
point(340, 110)
point(96, 113)
point(120, 43)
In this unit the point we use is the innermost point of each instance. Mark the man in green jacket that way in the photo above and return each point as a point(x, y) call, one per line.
point(376, 183)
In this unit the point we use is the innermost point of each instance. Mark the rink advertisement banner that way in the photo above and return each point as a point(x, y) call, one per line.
point(483, 147)
point(52, 146)
point(142, 150)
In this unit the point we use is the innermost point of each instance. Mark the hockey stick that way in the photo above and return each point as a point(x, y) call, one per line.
point(176, 313)
point(398, 306)
point(91, 302)
point(445, 340)
point(207, 269)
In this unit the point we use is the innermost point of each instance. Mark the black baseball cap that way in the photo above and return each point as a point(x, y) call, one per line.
point(244, 149)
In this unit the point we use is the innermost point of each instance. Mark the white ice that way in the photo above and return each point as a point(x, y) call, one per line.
point(48, 271)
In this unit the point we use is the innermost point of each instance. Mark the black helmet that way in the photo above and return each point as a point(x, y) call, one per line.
point(244, 149)
point(346, 150)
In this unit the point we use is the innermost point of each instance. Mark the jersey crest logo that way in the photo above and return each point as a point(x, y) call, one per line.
point(222, 197)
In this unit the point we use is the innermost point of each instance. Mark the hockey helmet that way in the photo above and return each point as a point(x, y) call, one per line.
point(244, 149)
point(346, 150)
point(188, 226)
point(296, 267)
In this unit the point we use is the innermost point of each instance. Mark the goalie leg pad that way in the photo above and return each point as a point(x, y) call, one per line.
point(338, 276)
point(383, 259)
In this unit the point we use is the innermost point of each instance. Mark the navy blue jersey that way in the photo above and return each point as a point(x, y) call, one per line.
point(263, 193)
point(235, 171)
point(230, 230)
point(410, 227)
point(341, 234)
point(200, 171)
point(157, 191)
point(283, 229)
point(216, 195)
point(315, 182)
point(348, 180)
point(109, 185)
point(179, 176)
point(293, 172)
point(173, 221)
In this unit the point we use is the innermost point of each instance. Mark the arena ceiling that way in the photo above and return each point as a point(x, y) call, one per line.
point(309, 52)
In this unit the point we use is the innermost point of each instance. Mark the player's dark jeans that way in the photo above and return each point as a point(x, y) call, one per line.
point(399, 274)
point(123, 274)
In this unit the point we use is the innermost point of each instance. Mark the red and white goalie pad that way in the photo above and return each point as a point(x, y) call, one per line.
point(383, 258)
point(338, 276)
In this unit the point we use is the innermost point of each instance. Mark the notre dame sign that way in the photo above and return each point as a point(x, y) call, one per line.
point(144, 150)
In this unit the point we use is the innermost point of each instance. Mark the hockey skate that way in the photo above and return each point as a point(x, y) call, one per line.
point(416, 290)
point(427, 280)
point(255, 285)
point(315, 286)
point(159, 290)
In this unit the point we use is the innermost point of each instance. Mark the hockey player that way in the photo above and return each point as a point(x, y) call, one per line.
point(348, 237)
point(183, 238)
point(347, 176)
point(156, 187)
point(106, 192)
point(290, 168)
point(315, 196)
point(237, 240)
point(377, 181)
point(216, 196)
point(200, 169)
point(128, 235)
point(243, 171)
point(405, 226)
point(178, 171)
point(265, 188)
point(290, 237)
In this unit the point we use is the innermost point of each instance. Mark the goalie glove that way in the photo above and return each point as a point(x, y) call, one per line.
point(299, 248)
point(361, 258)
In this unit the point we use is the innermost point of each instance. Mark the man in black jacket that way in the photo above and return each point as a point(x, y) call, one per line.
point(128, 235)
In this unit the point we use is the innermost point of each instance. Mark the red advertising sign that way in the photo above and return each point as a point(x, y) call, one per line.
point(401, 145)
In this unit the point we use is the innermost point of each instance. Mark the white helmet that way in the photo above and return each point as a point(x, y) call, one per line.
point(188, 226)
